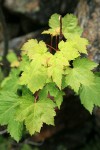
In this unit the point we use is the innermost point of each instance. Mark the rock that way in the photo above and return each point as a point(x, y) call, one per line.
point(23, 6)
point(88, 13)
point(8, 29)
point(16, 43)
point(28, 25)
point(40, 10)
point(13, 30)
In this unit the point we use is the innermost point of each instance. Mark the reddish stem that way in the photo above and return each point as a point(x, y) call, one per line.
point(51, 44)
point(56, 43)
point(36, 97)
point(51, 47)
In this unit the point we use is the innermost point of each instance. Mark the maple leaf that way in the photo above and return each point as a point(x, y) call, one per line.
point(50, 88)
point(54, 25)
point(85, 63)
point(90, 95)
point(12, 58)
point(70, 26)
point(32, 47)
point(72, 49)
point(79, 43)
point(53, 92)
point(56, 69)
point(34, 76)
point(59, 98)
point(56, 74)
point(11, 83)
point(35, 114)
point(68, 50)
point(80, 74)
point(15, 128)
point(35, 71)
point(24, 63)
point(8, 104)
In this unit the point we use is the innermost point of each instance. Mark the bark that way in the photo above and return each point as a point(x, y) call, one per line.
point(88, 12)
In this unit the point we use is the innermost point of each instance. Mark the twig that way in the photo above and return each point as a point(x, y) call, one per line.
point(27, 141)
point(51, 44)
point(3, 132)
point(51, 47)
point(36, 97)
point(56, 42)
point(33, 143)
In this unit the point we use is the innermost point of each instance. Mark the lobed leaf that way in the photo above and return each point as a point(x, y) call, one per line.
point(80, 74)
point(15, 129)
point(8, 104)
point(34, 76)
point(56, 69)
point(90, 95)
point(70, 26)
point(54, 25)
point(53, 92)
point(35, 114)
point(68, 50)
point(32, 47)
point(12, 58)
point(11, 83)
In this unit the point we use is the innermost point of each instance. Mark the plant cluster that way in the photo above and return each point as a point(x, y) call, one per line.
point(35, 85)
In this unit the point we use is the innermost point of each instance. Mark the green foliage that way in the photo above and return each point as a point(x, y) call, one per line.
point(34, 87)
point(73, 47)
point(80, 74)
point(54, 26)
point(90, 94)
point(34, 114)
point(8, 104)
point(12, 58)
point(11, 83)
point(69, 26)
point(32, 48)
